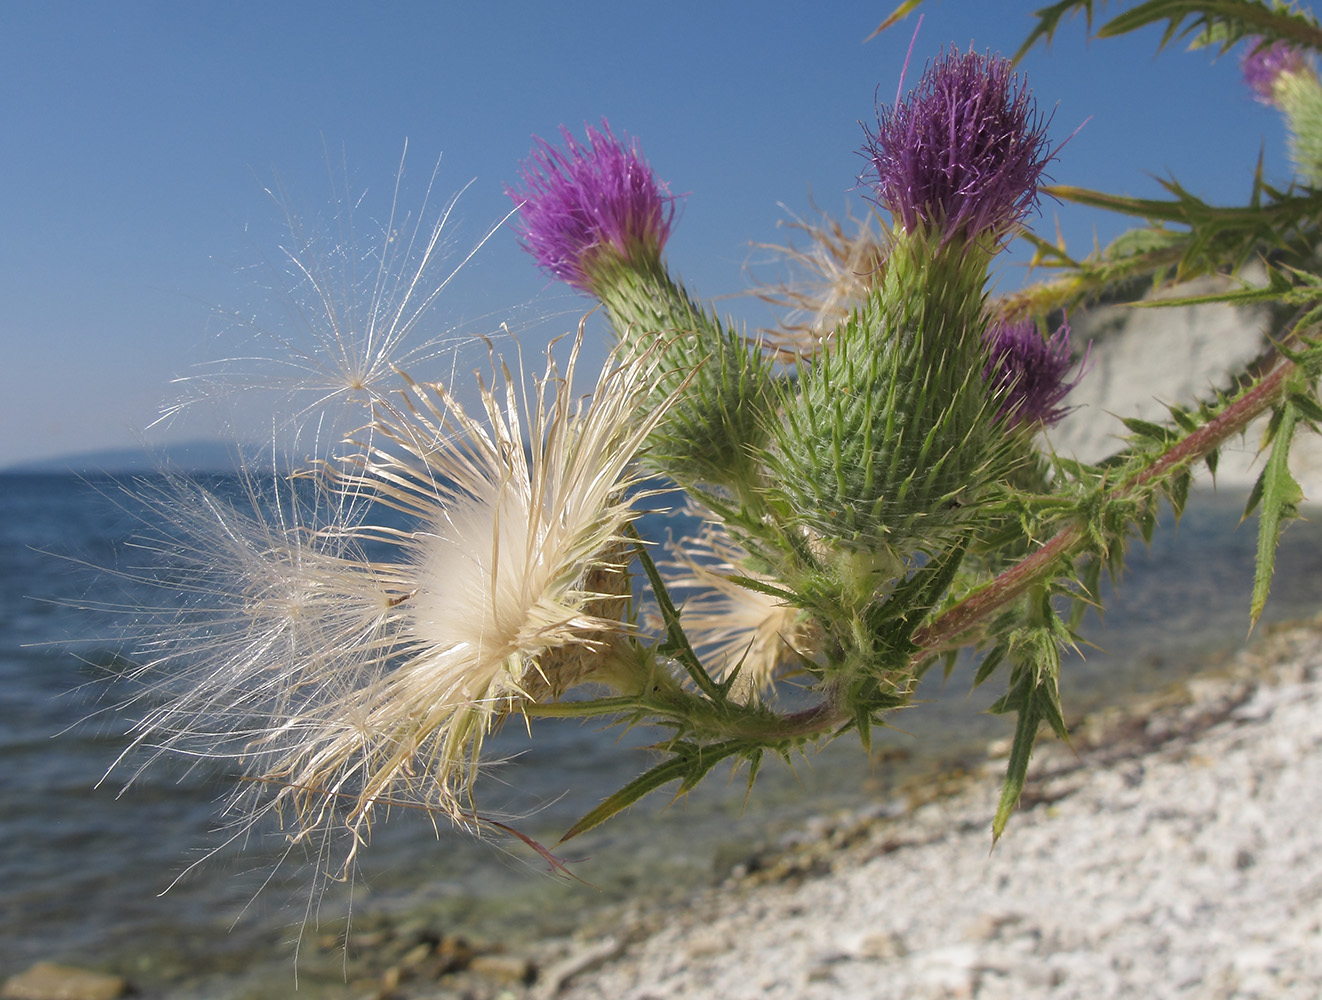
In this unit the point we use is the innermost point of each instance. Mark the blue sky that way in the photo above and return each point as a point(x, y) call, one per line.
point(138, 139)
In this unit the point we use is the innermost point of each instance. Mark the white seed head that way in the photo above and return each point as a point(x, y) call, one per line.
point(352, 643)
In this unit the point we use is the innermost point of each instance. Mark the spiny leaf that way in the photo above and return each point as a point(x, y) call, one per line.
point(754, 765)
point(1147, 524)
point(1279, 495)
point(1034, 694)
point(1178, 493)
point(762, 587)
point(1148, 431)
point(1090, 579)
point(688, 766)
point(1016, 772)
point(898, 15)
point(1048, 20)
point(1277, 287)
point(1307, 406)
point(1229, 20)
point(1183, 418)
point(863, 723)
point(990, 662)
point(677, 643)
point(949, 660)
point(662, 774)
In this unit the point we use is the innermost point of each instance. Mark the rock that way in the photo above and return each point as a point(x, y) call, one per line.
point(456, 954)
point(884, 947)
point(48, 981)
point(555, 977)
point(949, 971)
point(503, 968)
point(988, 926)
point(416, 955)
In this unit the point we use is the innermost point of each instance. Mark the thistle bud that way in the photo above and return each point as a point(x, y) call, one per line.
point(891, 437)
point(1026, 372)
point(1265, 66)
point(962, 154)
point(1281, 75)
point(591, 207)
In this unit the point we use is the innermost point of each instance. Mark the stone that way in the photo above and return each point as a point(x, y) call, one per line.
point(503, 968)
point(581, 961)
point(883, 947)
point(49, 981)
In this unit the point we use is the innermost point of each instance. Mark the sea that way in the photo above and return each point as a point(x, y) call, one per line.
point(131, 881)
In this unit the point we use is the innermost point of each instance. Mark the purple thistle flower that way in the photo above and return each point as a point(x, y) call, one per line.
point(1264, 64)
point(592, 204)
point(963, 152)
point(1027, 371)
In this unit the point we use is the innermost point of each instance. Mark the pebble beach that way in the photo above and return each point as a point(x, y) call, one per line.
point(1175, 852)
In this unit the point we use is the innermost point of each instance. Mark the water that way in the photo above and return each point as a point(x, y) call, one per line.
point(82, 871)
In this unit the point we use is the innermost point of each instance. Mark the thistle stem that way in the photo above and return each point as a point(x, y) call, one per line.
point(1012, 583)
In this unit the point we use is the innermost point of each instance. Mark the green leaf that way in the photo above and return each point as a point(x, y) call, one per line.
point(990, 662)
point(1147, 523)
point(1279, 495)
point(1048, 20)
point(677, 642)
point(1307, 406)
point(1090, 579)
point(1016, 772)
point(1178, 493)
point(897, 15)
point(1278, 286)
point(662, 774)
point(1183, 418)
point(688, 766)
point(1035, 694)
point(1225, 21)
point(863, 723)
point(1148, 431)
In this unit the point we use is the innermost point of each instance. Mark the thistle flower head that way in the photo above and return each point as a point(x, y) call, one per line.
point(1264, 65)
point(591, 205)
point(1027, 372)
point(962, 154)
point(357, 659)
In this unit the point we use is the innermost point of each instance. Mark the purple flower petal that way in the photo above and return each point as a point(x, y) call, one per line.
point(590, 204)
point(1027, 372)
point(963, 152)
point(1264, 64)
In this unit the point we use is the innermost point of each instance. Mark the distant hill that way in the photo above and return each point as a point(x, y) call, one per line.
point(188, 456)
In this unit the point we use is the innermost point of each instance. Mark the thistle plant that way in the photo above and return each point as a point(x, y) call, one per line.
point(875, 487)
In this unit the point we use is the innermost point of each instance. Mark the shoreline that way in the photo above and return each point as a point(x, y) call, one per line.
point(899, 898)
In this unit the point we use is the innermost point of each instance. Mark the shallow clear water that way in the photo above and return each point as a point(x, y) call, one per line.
point(82, 871)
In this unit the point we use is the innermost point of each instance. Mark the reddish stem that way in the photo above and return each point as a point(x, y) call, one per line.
point(1018, 578)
